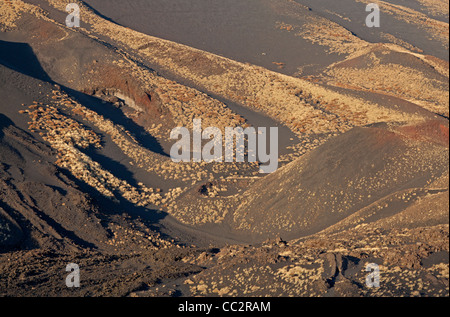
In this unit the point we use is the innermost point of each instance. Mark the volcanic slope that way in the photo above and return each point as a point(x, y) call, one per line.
point(384, 168)
point(48, 218)
point(50, 206)
point(96, 91)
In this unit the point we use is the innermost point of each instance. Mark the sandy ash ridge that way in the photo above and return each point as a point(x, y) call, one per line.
point(86, 177)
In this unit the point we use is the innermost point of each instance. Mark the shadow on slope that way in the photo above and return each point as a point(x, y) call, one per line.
point(116, 115)
point(20, 57)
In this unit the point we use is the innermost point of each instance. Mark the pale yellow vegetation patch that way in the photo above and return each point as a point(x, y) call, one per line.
point(436, 7)
point(327, 33)
point(404, 82)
